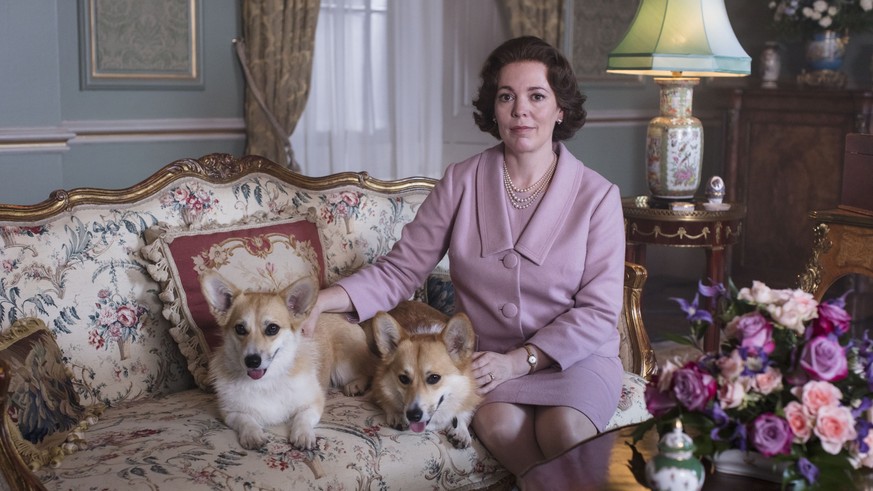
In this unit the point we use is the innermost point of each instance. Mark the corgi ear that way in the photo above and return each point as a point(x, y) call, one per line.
point(300, 296)
point(459, 338)
point(386, 333)
point(219, 294)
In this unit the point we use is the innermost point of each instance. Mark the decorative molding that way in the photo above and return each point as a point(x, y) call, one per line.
point(59, 139)
point(131, 44)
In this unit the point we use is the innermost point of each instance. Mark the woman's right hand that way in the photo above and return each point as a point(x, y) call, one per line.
point(308, 326)
point(331, 299)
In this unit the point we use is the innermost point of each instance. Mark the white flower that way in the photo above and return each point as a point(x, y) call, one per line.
point(820, 5)
point(832, 11)
point(866, 5)
point(825, 22)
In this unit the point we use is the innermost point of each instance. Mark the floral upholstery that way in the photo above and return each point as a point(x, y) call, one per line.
point(178, 442)
point(77, 263)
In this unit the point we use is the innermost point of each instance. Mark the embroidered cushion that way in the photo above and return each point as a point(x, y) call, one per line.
point(44, 415)
point(259, 256)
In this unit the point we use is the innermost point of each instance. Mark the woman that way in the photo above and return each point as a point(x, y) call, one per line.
point(536, 246)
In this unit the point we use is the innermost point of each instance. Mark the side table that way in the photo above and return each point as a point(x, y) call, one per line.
point(843, 245)
point(646, 224)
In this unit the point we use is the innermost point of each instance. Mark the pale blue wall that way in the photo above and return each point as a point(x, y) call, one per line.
point(42, 105)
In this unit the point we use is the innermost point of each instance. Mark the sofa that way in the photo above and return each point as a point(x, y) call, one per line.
point(104, 347)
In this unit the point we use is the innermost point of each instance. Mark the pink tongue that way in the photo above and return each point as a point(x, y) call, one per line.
point(418, 426)
point(256, 373)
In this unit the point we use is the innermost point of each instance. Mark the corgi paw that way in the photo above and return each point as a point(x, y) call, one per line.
point(395, 420)
point(253, 439)
point(303, 439)
point(356, 387)
point(459, 437)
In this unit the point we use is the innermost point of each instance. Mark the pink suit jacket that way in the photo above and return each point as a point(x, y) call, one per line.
point(558, 287)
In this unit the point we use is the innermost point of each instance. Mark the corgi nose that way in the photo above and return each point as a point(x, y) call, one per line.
point(253, 361)
point(414, 414)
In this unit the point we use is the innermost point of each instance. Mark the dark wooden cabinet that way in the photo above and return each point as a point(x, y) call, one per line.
point(784, 153)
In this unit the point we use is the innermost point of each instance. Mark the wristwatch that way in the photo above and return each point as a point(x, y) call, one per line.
point(531, 358)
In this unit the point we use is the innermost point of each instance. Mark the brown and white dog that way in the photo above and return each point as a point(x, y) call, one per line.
point(424, 378)
point(267, 372)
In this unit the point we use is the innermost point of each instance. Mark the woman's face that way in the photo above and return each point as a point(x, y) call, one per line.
point(526, 108)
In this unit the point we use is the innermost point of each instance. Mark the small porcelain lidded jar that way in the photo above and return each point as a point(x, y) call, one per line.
point(715, 190)
point(675, 467)
point(770, 65)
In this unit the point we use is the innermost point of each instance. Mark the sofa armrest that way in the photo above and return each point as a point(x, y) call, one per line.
point(636, 351)
point(14, 471)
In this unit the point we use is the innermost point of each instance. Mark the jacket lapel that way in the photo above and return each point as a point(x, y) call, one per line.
point(491, 210)
point(537, 239)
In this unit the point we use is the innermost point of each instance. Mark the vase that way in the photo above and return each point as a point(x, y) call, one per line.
point(751, 464)
point(825, 51)
point(675, 468)
point(674, 143)
point(770, 65)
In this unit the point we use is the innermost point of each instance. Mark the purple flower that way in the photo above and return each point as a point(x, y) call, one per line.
point(658, 403)
point(693, 388)
point(771, 435)
point(807, 469)
point(824, 359)
point(754, 331)
point(831, 319)
point(693, 311)
point(715, 291)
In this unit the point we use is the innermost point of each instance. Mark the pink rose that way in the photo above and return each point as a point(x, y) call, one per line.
point(816, 395)
point(350, 198)
point(665, 375)
point(693, 388)
point(732, 394)
point(798, 421)
point(831, 319)
point(834, 426)
point(731, 366)
point(771, 435)
point(769, 380)
point(180, 195)
point(796, 308)
point(754, 331)
point(759, 293)
point(824, 359)
point(127, 316)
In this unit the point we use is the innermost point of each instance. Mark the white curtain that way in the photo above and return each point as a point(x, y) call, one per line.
point(376, 99)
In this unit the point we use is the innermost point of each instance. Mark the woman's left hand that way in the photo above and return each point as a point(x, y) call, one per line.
point(492, 369)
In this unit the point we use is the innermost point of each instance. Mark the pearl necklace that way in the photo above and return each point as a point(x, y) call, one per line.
point(537, 188)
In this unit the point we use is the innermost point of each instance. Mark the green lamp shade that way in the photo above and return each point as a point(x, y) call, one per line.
point(693, 37)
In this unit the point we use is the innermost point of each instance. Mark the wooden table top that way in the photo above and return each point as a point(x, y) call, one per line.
point(602, 464)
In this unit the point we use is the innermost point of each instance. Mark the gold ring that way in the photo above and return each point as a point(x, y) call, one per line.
point(491, 375)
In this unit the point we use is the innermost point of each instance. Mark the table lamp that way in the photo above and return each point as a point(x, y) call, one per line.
point(678, 41)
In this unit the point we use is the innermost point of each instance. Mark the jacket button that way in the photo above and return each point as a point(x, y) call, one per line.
point(509, 310)
point(510, 260)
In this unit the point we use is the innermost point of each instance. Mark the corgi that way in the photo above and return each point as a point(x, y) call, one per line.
point(267, 372)
point(424, 377)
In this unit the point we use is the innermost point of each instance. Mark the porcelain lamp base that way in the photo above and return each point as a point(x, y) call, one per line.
point(674, 143)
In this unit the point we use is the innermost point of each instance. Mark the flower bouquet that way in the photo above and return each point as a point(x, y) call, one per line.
point(788, 382)
point(807, 16)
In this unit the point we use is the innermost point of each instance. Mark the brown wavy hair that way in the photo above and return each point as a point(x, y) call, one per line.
point(559, 73)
